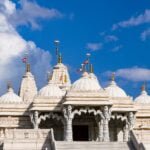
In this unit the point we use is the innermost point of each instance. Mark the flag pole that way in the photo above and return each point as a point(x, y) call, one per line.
point(56, 42)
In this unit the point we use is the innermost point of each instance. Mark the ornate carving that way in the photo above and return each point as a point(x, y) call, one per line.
point(131, 120)
point(68, 116)
point(35, 119)
point(51, 115)
point(126, 132)
point(99, 122)
point(107, 115)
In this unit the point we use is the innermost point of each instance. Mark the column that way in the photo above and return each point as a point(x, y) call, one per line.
point(36, 122)
point(99, 122)
point(125, 133)
point(105, 124)
point(68, 117)
point(131, 120)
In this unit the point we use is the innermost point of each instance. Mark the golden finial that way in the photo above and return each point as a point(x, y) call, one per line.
point(91, 68)
point(59, 58)
point(113, 77)
point(27, 67)
point(143, 88)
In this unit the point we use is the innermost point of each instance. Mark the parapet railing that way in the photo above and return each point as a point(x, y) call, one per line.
point(137, 145)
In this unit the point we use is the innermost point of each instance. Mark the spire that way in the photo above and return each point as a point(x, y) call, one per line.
point(28, 67)
point(91, 68)
point(9, 87)
point(59, 58)
point(143, 88)
point(56, 42)
point(113, 77)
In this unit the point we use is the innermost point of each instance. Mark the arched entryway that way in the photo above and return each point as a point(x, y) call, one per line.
point(117, 128)
point(48, 121)
point(84, 127)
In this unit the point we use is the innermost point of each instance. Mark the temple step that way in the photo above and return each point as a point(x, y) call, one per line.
point(93, 146)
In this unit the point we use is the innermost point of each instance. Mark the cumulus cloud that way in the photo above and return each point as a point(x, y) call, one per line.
point(134, 20)
point(145, 34)
point(134, 74)
point(29, 13)
point(13, 47)
point(94, 46)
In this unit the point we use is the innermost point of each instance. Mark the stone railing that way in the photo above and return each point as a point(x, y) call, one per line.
point(22, 134)
point(30, 138)
point(134, 140)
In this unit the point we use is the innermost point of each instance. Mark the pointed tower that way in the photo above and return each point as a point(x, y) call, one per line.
point(28, 88)
point(60, 75)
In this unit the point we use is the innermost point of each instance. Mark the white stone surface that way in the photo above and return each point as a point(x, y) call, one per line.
point(10, 97)
point(114, 90)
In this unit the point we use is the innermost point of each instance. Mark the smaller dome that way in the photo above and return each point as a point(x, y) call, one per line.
point(10, 97)
point(114, 90)
point(143, 98)
point(51, 90)
point(86, 83)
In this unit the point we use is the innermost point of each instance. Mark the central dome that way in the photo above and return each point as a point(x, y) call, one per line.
point(86, 83)
point(51, 90)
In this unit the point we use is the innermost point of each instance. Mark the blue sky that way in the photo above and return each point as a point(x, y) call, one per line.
point(116, 33)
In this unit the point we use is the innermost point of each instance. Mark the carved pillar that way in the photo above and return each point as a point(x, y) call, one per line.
point(35, 118)
point(68, 116)
point(99, 122)
point(125, 133)
point(106, 123)
point(131, 120)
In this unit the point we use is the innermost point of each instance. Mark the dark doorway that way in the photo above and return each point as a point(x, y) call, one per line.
point(80, 133)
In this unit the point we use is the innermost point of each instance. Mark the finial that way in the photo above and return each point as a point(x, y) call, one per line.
point(143, 88)
point(59, 58)
point(83, 68)
point(27, 67)
point(9, 85)
point(91, 68)
point(113, 77)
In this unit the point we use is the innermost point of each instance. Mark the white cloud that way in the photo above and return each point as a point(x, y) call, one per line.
point(29, 13)
point(134, 21)
point(12, 48)
point(94, 46)
point(134, 74)
point(145, 34)
point(111, 38)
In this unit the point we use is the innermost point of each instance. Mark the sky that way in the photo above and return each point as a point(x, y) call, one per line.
point(115, 33)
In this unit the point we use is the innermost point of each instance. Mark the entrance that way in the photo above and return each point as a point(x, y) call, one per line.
point(80, 133)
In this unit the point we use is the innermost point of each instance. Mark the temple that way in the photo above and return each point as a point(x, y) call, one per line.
point(73, 116)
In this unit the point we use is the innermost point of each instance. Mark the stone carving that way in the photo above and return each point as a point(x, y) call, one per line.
point(99, 122)
point(131, 120)
point(126, 132)
point(107, 114)
point(35, 119)
point(51, 115)
point(68, 116)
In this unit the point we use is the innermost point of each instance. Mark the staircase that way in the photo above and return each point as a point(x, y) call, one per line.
point(62, 145)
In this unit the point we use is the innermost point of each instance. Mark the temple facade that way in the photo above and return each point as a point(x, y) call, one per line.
point(68, 112)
